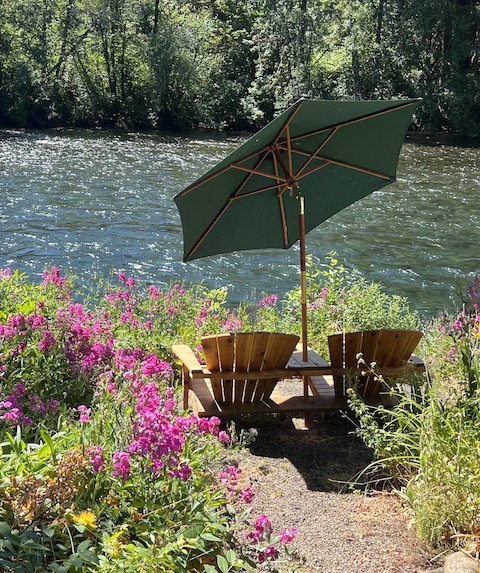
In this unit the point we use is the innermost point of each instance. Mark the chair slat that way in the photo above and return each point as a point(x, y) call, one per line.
point(212, 361)
point(260, 344)
point(278, 353)
point(226, 354)
point(335, 348)
point(243, 352)
point(369, 345)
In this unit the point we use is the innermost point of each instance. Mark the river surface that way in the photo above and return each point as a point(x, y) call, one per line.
point(97, 202)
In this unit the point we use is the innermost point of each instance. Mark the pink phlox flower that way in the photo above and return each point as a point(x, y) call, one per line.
point(247, 494)
point(270, 553)
point(268, 301)
point(153, 293)
point(18, 349)
point(122, 277)
point(263, 525)
point(7, 331)
point(287, 535)
point(36, 320)
point(47, 341)
point(130, 282)
point(53, 276)
point(153, 366)
point(121, 465)
point(209, 425)
point(183, 472)
point(84, 413)
point(224, 437)
point(96, 458)
point(6, 273)
point(173, 310)
point(232, 323)
point(452, 354)
point(16, 321)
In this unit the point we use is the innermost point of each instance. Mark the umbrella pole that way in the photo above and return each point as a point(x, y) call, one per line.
point(303, 288)
point(303, 277)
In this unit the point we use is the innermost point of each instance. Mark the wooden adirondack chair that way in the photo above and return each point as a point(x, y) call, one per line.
point(217, 388)
point(389, 349)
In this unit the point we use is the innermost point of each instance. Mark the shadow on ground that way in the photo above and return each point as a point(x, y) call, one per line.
point(328, 454)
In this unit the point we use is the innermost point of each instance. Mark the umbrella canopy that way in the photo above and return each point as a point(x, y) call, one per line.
point(309, 163)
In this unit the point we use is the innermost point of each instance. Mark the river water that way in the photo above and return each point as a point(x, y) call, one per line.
point(97, 202)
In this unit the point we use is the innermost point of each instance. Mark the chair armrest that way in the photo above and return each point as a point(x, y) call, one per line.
point(187, 357)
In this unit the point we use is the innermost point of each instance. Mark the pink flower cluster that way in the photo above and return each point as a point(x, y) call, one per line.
point(268, 301)
point(158, 434)
point(18, 407)
point(261, 537)
point(53, 277)
point(229, 479)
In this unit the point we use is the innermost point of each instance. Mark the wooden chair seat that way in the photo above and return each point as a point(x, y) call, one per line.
point(389, 349)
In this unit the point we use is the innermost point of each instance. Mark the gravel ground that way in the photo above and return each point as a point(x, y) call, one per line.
point(299, 477)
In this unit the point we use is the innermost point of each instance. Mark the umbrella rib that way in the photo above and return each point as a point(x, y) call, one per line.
point(346, 165)
point(256, 172)
point(283, 217)
point(287, 123)
point(314, 154)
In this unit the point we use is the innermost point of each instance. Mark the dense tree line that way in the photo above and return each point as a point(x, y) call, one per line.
point(233, 63)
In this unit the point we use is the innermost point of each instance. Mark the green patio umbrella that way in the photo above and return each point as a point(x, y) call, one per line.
point(309, 163)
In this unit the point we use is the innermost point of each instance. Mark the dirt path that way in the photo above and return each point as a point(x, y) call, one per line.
point(299, 478)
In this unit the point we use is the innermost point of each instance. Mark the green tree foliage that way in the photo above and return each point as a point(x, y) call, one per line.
point(233, 64)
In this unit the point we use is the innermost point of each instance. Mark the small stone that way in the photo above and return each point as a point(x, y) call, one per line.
point(459, 562)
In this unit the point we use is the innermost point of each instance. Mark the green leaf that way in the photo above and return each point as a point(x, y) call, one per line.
point(210, 537)
point(231, 556)
point(222, 564)
point(59, 568)
point(48, 440)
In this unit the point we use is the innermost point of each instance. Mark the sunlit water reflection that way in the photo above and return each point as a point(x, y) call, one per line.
point(101, 202)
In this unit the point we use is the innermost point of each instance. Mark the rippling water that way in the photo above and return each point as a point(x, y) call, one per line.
point(100, 202)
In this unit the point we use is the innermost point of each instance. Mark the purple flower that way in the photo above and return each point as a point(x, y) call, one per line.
point(247, 494)
point(268, 554)
point(263, 525)
point(84, 414)
point(224, 437)
point(121, 464)
point(287, 535)
point(96, 458)
point(268, 301)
